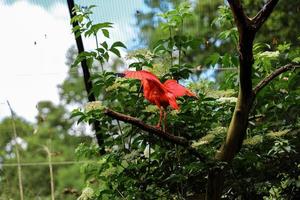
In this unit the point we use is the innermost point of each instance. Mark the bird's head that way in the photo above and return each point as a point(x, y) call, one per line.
point(120, 75)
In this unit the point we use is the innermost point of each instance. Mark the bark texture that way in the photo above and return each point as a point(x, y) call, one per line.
point(87, 77)
point(247, 29)
point(156, 131)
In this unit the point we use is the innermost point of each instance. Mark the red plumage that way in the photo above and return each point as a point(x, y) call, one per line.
point(177, 89)
point(157, 93)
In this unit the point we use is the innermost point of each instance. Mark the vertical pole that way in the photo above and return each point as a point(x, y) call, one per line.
point(17, 151)
point(50, 172)
point(86, 74)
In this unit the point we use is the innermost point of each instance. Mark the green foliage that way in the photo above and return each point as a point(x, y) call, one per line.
point(225, 21)
point(143, 59)
point(167, 53)
point(224, 18)
point(175, 18)
point(280, 147)
point(53, 130)
point(86, 27)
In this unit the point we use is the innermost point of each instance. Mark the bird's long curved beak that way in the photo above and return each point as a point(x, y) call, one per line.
point(120, 75)
point(194, 97)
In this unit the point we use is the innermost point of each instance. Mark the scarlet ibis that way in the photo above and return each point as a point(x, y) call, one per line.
point(159, 94)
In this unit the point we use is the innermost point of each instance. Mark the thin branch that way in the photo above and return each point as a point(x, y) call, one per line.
point(199, 69)
point(156, 131)
point(151, 129)
point(120, 193)
point(273, 75)
point(264, 13)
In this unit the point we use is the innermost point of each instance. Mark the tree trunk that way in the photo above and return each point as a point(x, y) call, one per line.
point(247, 28)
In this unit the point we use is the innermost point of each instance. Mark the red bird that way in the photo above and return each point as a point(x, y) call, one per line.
point(159, 94)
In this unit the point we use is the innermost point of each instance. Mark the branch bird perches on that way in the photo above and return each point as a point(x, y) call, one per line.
point(156, 131)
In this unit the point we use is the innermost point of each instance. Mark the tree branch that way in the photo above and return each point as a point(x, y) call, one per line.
point(87, 77)
point(273, 75)
point(246, 38)
point(153, 130)
point(240, 17)
point(264, 13)
point(236, 133)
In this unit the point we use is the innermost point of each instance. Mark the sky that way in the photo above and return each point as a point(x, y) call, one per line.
point(34, 39)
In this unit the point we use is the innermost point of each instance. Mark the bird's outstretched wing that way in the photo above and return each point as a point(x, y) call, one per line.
point(177, 89)
point(142, 74)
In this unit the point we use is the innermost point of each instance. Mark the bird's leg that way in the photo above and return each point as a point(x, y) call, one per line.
point(160, 117)
point(165, 121)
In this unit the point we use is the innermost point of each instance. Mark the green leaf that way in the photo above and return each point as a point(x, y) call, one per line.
point(235, 61)
point(76, 113)
point(88, 33)
point(105, 33)
point(82, 118)
point(96, 27)
point(77, 18)
point(106, 56)
point(226, 60)
point(258, 47)
point(90, 61)
point(91, 6)
point(115, 51)
point(296, 60)
point(136, 65)
point(88, 25)
point(101, 50)
point(77, 34)
point(279, 106)
point(212, 59)
point(284, 47)
point(231, 33)
point(76, 28)
point(77, 61)
point(118, 44)
point(159, 49)
point(104, 44)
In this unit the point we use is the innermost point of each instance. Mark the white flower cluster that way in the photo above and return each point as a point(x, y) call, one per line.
point(94, 105)
point(87, 193)
point(227, 100)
